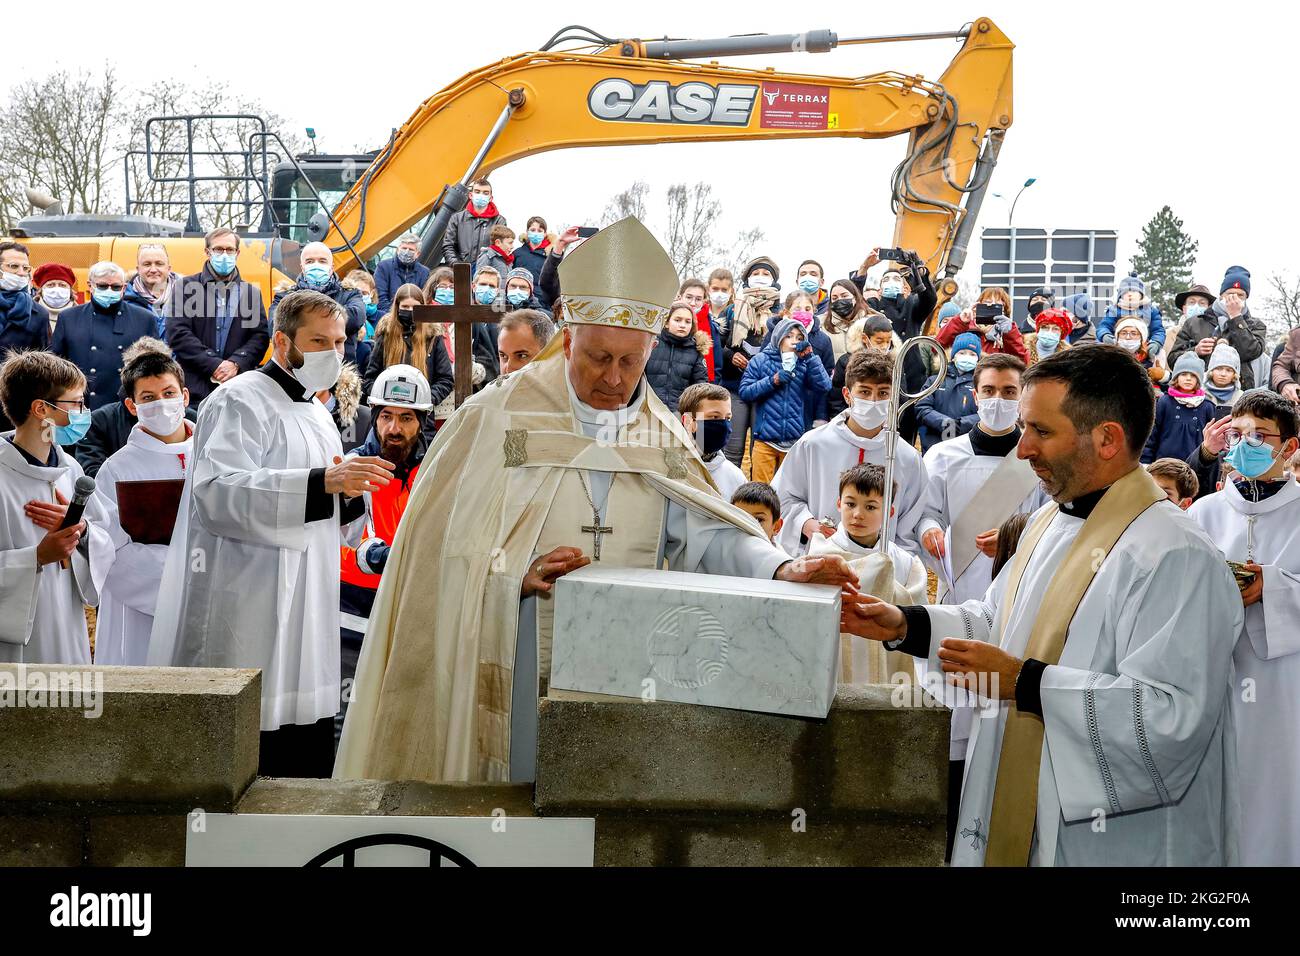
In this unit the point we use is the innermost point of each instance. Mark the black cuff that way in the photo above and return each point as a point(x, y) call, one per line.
point(320, 504)
point(1029, 698)
point(916, 640)
point(353, 508)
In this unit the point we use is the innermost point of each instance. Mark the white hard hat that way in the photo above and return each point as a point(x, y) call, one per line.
point(402, 386)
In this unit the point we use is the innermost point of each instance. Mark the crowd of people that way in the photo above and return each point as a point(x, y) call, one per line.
point(337, 392)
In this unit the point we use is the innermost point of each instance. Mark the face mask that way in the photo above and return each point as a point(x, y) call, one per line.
point(803, 317)
point(371, 308)
point(480, 201)
point(162, 417)
point(842, 307)
point(1048, 340)
point(444, 296)
point(317, 275)
point(485, 294)
point(223, 263)
point(1131, 345)
point(535, 238)
point(517, 296)
point(319, 370)
point(106, 298)
point(712, 435)
point(1035, 308)
point(760, 282)
point(965, 361)
point(809, 284)
point(788, 361)
point(891, 291)
point(1194, 310)
point(1251, 462)
point(719, 299)
point(868, 414)
point(998, 414)
point(56, 297)
point(13, 282)
point(406, 317)
point(74, 431)
point(406, 256)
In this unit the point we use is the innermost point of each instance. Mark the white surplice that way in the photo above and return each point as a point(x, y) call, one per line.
point(724, 474)
point(248, 582)
point(131, 590)
point(1139, 758)
point(908, 569)
point(1266, 695)
point(808, 481)
point(42, 610)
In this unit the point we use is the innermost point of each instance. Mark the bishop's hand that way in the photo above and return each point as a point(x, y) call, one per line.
point(827, 569)
point(870, 617)
point(543, 572)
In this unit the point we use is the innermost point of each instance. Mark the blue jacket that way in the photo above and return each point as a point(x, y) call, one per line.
point(1177, 431)
point(351, 302)
point(824, 350)
point(1155, 324)
point(391, 275)
point(93, 339)
point(780, 411)
point(950, 411)
point(533, 259)
point(24, 323)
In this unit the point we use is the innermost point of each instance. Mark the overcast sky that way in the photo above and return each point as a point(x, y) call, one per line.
point(1119, 108)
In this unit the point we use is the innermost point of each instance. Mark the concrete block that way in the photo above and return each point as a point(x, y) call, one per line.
point(136, 840)
point(31, 840)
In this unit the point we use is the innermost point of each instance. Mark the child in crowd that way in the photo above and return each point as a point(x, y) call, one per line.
point(758, 500)
point(498, 255)
point(1131, 302)
point(1181, 415)
point(802, 307)
point(1009, 533)
point(1223, 377)
point(47, 575)
point(782, 381)
point(706, 412)
point(1255, 521)
point(1176, 479)
point(677, 359)
point(872, 331)
point(950, 410)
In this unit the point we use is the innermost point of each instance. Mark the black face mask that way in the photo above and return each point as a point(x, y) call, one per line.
point(713, 435)
point(842, 307)
point(406, 317)
point(1036, 307)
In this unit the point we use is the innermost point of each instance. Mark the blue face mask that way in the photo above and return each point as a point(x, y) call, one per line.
point(223, 263)
point(517, 296)
point(536, 237)
point(74, 431)
point(1251, 462)
point(444, 296)
point(809, 284)
point(106, 298)
point(371, 308)
point(890, 291)
point(1048, 341)
point(317, 275)
point(480, 202)
point(965, 362)
point(485, 294)
point(713, 434)
point(1194, 310)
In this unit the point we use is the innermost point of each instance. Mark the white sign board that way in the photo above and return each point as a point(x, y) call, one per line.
point(272, 839)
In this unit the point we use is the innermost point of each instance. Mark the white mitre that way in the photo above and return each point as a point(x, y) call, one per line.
point(621, 277)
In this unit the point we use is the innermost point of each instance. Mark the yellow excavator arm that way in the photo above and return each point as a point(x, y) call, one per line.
point(632, 92)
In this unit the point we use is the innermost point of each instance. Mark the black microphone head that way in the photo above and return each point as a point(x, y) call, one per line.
point(85, 487)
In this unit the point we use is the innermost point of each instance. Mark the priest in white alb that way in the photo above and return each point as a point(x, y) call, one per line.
point(252, 573)
point(1103, 650)
point(571, 459)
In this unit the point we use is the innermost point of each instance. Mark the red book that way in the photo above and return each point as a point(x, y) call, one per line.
point(147, 509)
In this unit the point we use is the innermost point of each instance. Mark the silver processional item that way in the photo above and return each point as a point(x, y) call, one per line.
point(898, 404)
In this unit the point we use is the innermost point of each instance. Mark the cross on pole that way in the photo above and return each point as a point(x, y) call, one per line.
point(461, 315)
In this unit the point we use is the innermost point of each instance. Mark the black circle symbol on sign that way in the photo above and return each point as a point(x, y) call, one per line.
point(347, 850)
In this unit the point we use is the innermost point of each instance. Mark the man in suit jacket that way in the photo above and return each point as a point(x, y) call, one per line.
point(216, 322)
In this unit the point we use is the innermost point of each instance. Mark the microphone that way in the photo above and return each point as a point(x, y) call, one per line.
point(81, 493)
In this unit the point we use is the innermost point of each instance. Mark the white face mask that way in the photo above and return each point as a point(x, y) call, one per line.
point(998, 414)
point(56, 296)
point(1131, 345)
point(867, 414)
point(320, 370)
point(719, 299)
point(760, 282)
point(162, 417)
point(12, 281)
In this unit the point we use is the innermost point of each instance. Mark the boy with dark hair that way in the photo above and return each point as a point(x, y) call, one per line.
point(47, 574)
point(1255, 521)
point(705, 409)
point(808, 480)
point(1176, 479)
point(759, 501)
point(158, 449)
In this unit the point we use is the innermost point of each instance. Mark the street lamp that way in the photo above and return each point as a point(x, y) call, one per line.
point(1011, 265)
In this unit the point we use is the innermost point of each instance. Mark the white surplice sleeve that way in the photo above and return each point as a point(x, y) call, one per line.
point(934, 502)
point(234, 494)
point(18, 594)
point(1134, 739)
point(1273, 622)
point(793, 486)
point(92, 561)
point(911, 505)
point(699, 542)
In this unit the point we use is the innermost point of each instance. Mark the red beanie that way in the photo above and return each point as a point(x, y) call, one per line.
point(53, 270)
point(1059, 318)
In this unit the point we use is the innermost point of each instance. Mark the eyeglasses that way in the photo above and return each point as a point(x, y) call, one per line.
point(106, 286)
point(78, 405)
point(1253, 439)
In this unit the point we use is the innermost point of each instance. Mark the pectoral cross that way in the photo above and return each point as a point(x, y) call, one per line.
point(461, 315)
point(596, 531)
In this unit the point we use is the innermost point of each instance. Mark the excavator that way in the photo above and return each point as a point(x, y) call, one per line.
point(583, 89)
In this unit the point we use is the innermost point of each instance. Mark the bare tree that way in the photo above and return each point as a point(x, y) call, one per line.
point(1283, 306)
point(630, 202)
point(742, 249)
point(692, 215)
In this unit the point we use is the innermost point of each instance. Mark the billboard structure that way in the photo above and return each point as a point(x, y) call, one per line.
point(1069, 260)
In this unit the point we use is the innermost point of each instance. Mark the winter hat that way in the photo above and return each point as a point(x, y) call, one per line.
point(1237, 277)
point(757, 261)
point(1136, 322)
point(1044, 293)
point(1186, 294)
point(1189, 362)
point(53, 270)
point(1078, 305)
point(1223, 354)
point(520, 274)
point(967, 340)
point(948, 311)
point(1058, 318)
point(1131, 283)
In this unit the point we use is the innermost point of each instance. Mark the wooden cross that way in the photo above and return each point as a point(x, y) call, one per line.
point(461, 315)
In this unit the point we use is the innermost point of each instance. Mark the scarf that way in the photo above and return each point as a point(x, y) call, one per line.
point(1187, 399)
point(142, 290)
point(15, 307)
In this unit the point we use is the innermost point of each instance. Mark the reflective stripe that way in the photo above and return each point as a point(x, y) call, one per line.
point(350, 622)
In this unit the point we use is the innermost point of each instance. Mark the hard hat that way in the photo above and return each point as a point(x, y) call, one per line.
point(402, 386)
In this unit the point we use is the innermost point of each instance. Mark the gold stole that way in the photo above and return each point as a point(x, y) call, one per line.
point(1015, 795)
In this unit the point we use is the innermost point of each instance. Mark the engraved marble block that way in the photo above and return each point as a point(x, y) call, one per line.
point(741, 643)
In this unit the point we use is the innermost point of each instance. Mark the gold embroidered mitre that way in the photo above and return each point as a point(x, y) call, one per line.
point(620, 277)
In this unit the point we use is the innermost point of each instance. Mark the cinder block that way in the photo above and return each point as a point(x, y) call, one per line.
point(171, 737)
point(41, 840)
point(136, 840)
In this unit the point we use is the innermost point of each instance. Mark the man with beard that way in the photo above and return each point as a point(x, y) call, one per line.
point(400, 401)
